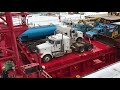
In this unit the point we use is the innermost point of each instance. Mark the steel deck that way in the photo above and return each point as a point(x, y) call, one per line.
point(84, 61)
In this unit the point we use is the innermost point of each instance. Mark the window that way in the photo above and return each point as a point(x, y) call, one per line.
point(65, 33)
point(73, 31)
point(99, 31)
point(57, 42)
point(94, 30)
point(102, 30)
point(50, 41)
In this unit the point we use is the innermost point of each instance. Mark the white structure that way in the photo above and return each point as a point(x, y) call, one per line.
point(112, 71)
point(36, 19)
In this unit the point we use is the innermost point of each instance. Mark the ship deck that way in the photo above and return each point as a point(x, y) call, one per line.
point(71, 59)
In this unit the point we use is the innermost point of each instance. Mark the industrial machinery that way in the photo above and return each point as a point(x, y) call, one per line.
point(74, 35)
point(106, 18)
point(59, 45)
point(110, 33)
point(79, 64)
point(89, 20)
point(114, 13)
point(76, 38)
point(37, 39)
point(84, 27)
point(36, 33)
point(42, 32)
point(117, 33)
point(19, 62)
point(103, 29)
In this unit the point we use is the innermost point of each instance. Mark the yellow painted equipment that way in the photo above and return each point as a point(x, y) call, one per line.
point(89, 20)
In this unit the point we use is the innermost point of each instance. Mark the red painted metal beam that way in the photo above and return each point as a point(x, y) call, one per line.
point(15, 29)
point(15, 13)
point(3, 19)
point(19, 13)
point(15, 48)
point(25, 53)
point(5, 58)
point(39, 59)
point(7, 50)
point(4, 31)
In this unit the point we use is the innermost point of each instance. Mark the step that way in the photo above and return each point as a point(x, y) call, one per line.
point(59, 54)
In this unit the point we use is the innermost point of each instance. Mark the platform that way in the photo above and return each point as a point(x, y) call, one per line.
point(81, 60)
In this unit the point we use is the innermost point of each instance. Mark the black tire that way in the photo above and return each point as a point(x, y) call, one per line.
point(94, 37)
point(81, 50)
point(46, 58)
point(90, 48)
point(33, 49)
point(79, 40)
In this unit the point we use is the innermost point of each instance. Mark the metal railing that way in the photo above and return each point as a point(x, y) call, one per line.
point(45, 74)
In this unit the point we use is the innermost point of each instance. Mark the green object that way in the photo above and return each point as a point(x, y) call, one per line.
point(9, 65)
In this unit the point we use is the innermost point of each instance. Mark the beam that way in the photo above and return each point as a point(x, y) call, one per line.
point(3, 19)
point(7, 50)
point(4, 31)
point(9, 57)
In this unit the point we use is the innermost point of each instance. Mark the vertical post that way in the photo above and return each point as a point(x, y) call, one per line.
point(38, 57)
point(15, 48)
point(59, 17)
point(23, 19)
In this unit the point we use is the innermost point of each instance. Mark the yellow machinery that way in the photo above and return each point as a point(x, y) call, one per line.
point(114, 13)
point(89, 20)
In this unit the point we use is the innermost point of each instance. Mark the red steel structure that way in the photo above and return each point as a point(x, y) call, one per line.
point(12, 49)
point(9, 33)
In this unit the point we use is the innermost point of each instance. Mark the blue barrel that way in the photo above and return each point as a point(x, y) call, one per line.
point(37, 33)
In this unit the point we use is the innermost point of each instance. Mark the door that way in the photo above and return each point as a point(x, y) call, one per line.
point(57, 49)
point(73, 35)
point(56, 46)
